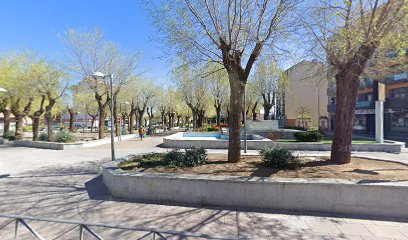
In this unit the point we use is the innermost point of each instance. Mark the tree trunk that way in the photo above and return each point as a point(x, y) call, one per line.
point(130, 126)
point(48, 118)
point(36, 126)
point(116, 120)
point(71, 120)
point(19, 126)
point(236, 100)
point(6, 113)
point(36, 119)
point(254, 111)
point(346, 95)
point(140, 117)
point(267, 110)
point(218, 115)
point(92, 123)
point(101, 125)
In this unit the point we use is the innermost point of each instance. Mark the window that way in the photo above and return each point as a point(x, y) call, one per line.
point(399, 121)
point(360, 122)
point(400, 93)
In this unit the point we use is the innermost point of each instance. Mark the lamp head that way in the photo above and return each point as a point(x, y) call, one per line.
point(98, 75)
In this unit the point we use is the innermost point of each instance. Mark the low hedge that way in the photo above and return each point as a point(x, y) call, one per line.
point(309, 136)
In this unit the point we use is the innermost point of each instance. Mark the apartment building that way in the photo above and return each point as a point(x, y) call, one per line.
point(395, 77)
point(304, 102)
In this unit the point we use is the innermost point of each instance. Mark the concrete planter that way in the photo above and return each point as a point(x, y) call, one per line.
point(321, 195)
point(177, 141)
point(67, 146)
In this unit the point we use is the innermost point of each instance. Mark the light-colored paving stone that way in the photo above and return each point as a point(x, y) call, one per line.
point(65, 184)
point(384, 231)
point(323, 227)
point(354, 229)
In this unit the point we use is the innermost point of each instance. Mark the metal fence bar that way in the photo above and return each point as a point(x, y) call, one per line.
point(37, 235)
point(92, 232)
point(16, 229)
point(81, 232)
point(86, 225)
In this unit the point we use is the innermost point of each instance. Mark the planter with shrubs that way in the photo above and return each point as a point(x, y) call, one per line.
point(280, 158)
point(309, 136)
point(10, 135)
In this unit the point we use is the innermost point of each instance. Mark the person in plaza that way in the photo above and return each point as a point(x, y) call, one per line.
point(141, 132)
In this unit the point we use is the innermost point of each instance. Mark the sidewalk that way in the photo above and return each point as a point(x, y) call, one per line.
point(66, 184)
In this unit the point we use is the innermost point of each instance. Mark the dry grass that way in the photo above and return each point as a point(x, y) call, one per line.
point(312, 167)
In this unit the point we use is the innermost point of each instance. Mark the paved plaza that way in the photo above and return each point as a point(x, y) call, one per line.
point(67, 184)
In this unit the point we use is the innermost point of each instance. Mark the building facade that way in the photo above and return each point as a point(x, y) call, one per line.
point(395, 105)
point(304, 101)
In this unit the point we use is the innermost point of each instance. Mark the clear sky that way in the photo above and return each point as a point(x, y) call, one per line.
point(35, 25)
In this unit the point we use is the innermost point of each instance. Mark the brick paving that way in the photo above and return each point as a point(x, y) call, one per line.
point(66, 184)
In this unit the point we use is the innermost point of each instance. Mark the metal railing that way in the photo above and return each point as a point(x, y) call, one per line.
point(154, 233)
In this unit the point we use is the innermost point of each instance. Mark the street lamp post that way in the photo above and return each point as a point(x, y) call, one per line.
point(245, 130)
point(97, 75)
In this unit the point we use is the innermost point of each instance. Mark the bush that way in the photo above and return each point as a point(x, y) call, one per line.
point(152, 160)
point(27, 128)
point(43, 137)
point(190, 158)
point(213, 128)
point(280, 158)
point(10, 135)
point(64, 137)
point(309, 136)
point(223, 125)
point(124, 131)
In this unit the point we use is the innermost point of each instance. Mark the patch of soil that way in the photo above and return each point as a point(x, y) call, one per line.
point(312, 167)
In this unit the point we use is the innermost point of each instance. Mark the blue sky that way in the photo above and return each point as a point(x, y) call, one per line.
point(35, 25)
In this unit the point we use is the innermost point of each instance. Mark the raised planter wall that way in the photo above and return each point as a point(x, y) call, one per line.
point(67, 146)
point(321, 195)
point(177, 141)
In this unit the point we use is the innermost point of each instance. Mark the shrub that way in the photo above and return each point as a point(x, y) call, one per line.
point(43, 137)
point(27, 128)
point(280, 158)
point(64, 137)
point(213, 128)
point(309, 136)
point(190, 158)
point(223, 125)
point(10, 135)
point(152, 160)
point(124, 131)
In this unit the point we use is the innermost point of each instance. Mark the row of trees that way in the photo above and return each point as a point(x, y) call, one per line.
point(34, 87)
point(344, 34)
point(206, 88)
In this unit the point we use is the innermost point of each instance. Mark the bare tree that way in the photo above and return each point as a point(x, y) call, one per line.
point(349, 33)
point(218, 87)
point(232, 33)
point(89, 52)
point(266, 84)
point(303, 112)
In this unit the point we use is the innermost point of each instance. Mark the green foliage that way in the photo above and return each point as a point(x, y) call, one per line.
point(64, 137)
point(152, 160)
point(27, 128)
point(190, 158)
point(43, 137)
point(10, 135)
point(124, 131)
point(213, 129)
point(309, 136)
point(280, 158)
